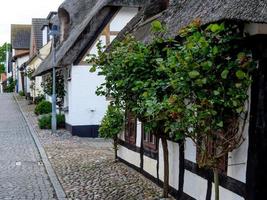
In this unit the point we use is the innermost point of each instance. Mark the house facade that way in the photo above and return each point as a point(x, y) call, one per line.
point(101, 21)
point(242, 176)
point(36, 55)
point(20, 44)
point(36, 88)
point(52, 19)
point(3, 80)
point(85, 110)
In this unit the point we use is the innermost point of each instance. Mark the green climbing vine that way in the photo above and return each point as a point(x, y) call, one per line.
point(60, 88)
point(192, 86)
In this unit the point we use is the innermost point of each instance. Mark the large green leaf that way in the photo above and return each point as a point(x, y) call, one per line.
point(224, 74)
point(220, 124)
point(193, 74)
point(93, 69)
point(216, 27)
point(206, 65)
point(156, 26)
point(240, 74)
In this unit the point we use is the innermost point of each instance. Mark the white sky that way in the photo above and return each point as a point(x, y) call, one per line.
point(21, 12)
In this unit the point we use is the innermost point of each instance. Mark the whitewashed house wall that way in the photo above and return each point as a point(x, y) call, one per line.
point(17, 74)
point(84, 110)
point(46, 39)
point(34, 64)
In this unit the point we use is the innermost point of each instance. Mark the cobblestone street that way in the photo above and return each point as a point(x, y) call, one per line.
point(86, 167)
point(22, 175)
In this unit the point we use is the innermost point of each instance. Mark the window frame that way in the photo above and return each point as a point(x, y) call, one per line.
point(148, 145)
point(130, 135)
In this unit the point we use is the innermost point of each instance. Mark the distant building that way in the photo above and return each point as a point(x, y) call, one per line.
point(33, 87)
point(81, 27)
point(3, 82)
point(20, 45)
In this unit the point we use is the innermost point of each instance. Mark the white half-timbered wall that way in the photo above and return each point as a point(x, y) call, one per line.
point(195, 185)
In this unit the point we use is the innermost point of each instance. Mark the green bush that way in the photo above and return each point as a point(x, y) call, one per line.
point(11, 85)
point(44, 121)
point(60, 121)
point(44, 107)
point(39, 99)
point(112, 123)
point(21, 93)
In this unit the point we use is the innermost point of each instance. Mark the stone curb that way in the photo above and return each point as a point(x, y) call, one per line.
point(50, 171)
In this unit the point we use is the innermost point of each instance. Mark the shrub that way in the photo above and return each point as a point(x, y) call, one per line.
point(60, 121)
point(21, 93)
point(44, 121)
point(112, 125)
point(39, 99)
point(11, 85)
point(44, 107)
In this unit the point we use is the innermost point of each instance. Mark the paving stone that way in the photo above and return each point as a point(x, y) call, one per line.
point(19, 157)
point(86, 167)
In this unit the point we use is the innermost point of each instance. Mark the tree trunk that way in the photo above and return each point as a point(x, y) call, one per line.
point(166, 167)
point(216, 183)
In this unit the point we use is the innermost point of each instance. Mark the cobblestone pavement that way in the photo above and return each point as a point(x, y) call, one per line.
point(22, 174)
point(86, 169)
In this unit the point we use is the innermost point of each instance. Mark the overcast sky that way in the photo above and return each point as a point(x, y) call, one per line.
point(21, 12)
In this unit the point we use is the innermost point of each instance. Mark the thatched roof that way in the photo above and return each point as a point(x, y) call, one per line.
point(182, 12)
point(179, 14)
point(88, 18)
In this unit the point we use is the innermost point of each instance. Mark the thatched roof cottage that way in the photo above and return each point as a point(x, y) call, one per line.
point(82, 25)
point(244, 176)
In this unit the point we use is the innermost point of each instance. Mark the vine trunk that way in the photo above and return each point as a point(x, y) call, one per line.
point(166, 167)
point(216, 183)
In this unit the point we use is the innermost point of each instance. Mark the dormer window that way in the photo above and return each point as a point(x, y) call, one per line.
point(45, 34)
point(64, 18)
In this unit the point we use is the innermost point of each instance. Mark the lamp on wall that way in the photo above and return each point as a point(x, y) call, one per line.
point(54, 32)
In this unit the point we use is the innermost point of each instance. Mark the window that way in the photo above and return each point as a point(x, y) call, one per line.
point(69, 73)
point(149, 140)
point(64, 24)
point(130, 128)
